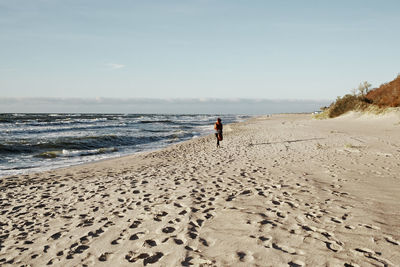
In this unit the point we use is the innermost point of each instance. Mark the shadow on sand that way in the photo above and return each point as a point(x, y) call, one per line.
point(289, 141)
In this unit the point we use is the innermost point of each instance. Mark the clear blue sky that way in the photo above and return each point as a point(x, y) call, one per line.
point(200, 48)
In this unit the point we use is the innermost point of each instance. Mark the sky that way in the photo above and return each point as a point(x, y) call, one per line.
point(194, 49)
point(154, 105)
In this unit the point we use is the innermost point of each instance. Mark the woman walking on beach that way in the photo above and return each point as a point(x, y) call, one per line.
point(218, 130)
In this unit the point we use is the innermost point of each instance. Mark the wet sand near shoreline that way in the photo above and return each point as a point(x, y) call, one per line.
point(282, 190)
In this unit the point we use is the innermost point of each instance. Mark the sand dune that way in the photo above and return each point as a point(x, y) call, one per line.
point(284, 190)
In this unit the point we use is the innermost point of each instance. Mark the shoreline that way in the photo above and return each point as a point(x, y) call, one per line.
point(282, 190)
point(124, 157)
point(126, 154)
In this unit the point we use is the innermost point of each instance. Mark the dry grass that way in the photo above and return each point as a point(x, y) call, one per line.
point(352, 146)
point(387, 95)
point(347, 103)
point(376, 101)
point(321, 116)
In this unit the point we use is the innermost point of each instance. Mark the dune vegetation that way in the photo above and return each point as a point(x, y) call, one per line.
point(364, 98)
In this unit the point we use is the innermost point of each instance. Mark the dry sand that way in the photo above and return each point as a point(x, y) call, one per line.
point(284, 190)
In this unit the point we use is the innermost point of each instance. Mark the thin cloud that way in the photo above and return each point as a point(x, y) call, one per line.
point(115, 66)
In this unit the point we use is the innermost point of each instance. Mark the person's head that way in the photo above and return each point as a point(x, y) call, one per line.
point(219, 119)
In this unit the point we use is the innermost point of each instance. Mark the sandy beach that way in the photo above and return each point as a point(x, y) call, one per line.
point(283, 190)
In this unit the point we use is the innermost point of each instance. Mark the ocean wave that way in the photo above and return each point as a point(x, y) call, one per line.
point(51, 118)
point(37, 141)
point(154, 130)
point(51, 129)
point(76, 143)
point(75, 153)
point(156, 121)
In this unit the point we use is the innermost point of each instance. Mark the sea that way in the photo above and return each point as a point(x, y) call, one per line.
point(38, 142)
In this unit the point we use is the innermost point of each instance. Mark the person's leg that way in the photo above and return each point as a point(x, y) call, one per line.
point(216, 135)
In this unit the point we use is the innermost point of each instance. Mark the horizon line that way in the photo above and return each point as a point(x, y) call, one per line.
point(99, 100)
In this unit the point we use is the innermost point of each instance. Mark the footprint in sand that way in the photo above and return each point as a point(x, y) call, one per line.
point(135, 224)
point(150, 243)
point(187, 262)
point(391, 240)
point(130, 257)
point(333, 246)
point(370, 226)
point(336, 220)
point(241, 255)
point(284, 248)
point(178, 241)
point(296, 263)
point(105, 256)
point(369, 253)
point(168, 230)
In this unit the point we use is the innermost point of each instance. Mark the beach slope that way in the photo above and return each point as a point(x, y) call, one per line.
point(283, 190)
